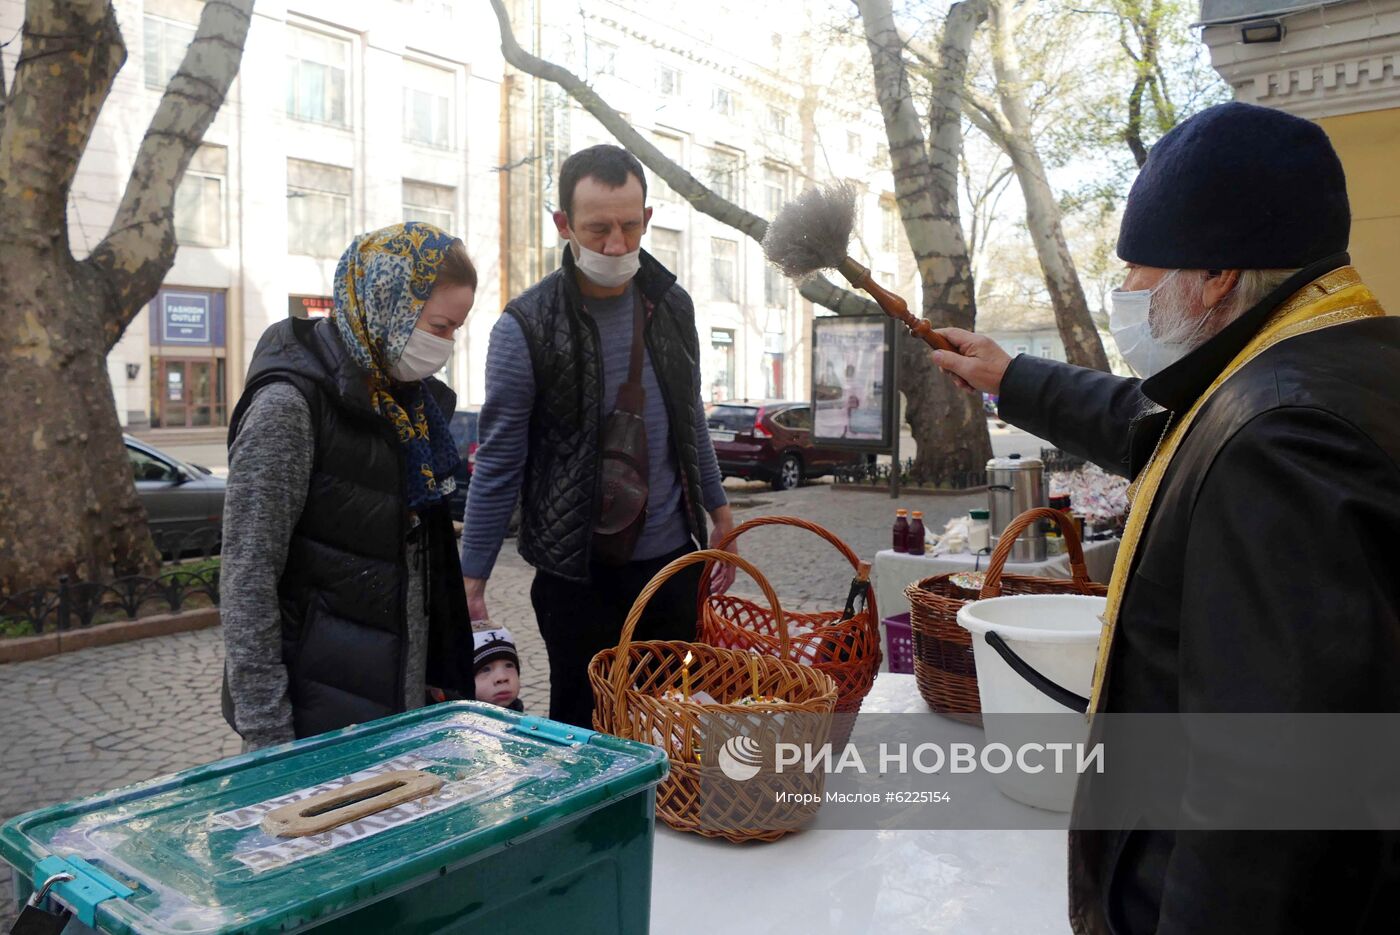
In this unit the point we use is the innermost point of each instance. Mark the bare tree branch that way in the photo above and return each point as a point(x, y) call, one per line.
point(816, 289)
point(949, 426)
point(989, 122)
point(139, 248)
point(69, 54)
point(1082, 344)
point(925, 172)
point(4, 97)
point(949, 84)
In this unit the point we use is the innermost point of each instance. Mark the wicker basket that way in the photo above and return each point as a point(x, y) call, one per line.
point(630, 684)
point(846, 650)
point(943, 663)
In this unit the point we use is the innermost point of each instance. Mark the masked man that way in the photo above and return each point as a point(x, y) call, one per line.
point(593, 418)
point(1257, 571)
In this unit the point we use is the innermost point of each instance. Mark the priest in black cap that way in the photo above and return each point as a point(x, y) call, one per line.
point(1258, 570)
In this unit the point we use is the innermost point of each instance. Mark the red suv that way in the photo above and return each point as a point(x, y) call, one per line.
point(771, 440)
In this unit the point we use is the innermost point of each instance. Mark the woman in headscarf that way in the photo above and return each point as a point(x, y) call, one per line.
point(340, 593)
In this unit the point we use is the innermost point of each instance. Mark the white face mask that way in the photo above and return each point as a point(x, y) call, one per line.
point(607, 271)
point(1129, 321)
point(424, 355)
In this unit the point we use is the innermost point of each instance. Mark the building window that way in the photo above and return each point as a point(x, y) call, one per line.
point(775, 190)
point(724, 266)
point(889, 226)
point(666, 247)
point(668, 81)
point(431, 204)
point(777, 121)
point(318, 208)
point(852, 143)
point(886, 279)
point(775, 186)
point(882, 155)
point(673, 149)
point(775, 287)
point(601, 57)
point(199, 201)
point(774, 381)
point(165, 43)
point(428, 95)
point(724, 173)
point(318, 82)
point(721, 365)
point(723, 102)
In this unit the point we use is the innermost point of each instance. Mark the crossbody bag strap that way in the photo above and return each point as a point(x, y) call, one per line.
point(630, 396)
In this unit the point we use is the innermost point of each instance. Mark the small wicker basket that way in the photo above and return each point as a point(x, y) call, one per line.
point(636, 697)
point(847, 650)
point(943, 665)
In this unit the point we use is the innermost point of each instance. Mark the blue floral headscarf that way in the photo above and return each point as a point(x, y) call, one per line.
point(381, 283)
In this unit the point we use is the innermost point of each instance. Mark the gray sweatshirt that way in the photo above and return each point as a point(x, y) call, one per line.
point(269, 474)
point(505, 429)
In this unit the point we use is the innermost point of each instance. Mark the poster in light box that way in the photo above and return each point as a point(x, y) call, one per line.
point(852, 373)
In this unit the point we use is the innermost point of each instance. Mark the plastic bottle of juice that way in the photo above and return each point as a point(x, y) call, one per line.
point(915, 542)
point(901, 531)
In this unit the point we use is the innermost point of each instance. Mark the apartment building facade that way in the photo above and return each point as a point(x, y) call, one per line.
point(746, 98)
point(347, 115)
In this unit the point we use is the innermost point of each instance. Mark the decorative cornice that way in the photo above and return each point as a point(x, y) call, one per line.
point(1342, 59)
point(773, 84)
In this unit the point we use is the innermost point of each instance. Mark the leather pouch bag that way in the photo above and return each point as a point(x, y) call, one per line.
point(622, 505)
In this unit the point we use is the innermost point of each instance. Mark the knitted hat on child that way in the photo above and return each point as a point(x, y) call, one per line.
point(495, 643)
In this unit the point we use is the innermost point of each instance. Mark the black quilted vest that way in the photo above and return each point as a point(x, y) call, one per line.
point(343, 591)
point(566, 426)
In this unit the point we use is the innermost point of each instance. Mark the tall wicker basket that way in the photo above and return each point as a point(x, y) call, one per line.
point(943, 665)
point(635, 696)
point(847, 650)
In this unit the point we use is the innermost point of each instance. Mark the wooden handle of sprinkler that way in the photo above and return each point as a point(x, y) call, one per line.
point(892, 305)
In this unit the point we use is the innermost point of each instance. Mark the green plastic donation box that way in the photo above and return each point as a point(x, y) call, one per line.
point(460, 817)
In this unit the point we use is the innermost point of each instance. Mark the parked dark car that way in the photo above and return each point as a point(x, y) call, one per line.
point(184, 502)
point(771, 440)
point(465, 426)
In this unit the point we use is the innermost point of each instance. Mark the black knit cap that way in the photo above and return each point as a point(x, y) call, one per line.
point(1237, 186)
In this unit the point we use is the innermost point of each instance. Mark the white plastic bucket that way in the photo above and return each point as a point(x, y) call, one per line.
point(1055, 636)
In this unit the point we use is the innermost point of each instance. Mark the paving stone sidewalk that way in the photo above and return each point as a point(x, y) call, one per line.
point(101, 718)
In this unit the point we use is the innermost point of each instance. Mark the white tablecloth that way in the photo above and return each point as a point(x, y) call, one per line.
point(851, 882)
point(894, 571)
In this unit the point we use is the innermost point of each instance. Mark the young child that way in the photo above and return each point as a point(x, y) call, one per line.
point(497, 668)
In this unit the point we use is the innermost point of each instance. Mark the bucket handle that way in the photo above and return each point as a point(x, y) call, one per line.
point(1052, 690)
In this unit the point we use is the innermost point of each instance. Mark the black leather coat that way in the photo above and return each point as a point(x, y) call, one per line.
point(1265, 581)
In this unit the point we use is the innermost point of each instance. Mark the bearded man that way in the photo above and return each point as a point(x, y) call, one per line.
point(1257, 570)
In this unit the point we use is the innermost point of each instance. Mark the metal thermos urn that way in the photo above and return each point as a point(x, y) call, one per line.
point(1015, 485)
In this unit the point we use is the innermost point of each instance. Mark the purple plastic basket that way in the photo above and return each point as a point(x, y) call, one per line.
point(899, 644)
